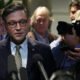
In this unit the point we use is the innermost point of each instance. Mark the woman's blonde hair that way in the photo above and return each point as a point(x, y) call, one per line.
point(45, 12)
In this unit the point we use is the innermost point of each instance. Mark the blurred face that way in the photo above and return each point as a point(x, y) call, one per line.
point(73, 11)
point(2, 26)
point(41, 23)
point(71, 39)
point(77, 15)
point(17, 25)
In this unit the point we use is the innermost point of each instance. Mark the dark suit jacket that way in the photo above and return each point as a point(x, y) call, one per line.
point(63, 62)
point(32, 69)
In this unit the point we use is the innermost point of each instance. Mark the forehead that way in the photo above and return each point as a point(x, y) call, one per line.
point(16, 15)
point(73, 8)
point(42, 12)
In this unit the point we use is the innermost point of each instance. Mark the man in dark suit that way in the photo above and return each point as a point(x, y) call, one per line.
point(16, 18)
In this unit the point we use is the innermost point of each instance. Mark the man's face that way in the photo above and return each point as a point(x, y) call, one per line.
point(2, 26)
point(41, 23)
point(17, 25)
point(73, 11)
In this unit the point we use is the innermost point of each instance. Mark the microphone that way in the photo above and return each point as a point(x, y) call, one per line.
point(12, 69)
point(37, 59)
point(23, 74)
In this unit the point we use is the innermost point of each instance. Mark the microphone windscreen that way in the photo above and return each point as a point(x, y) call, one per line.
point(23, 73)
point(11, 64)
point(37, 57)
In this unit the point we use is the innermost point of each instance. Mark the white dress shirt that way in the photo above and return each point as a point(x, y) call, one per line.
point(23, 52)
point(55, 42)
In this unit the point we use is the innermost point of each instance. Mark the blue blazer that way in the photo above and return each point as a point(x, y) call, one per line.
point(62, 59)
point(63, 62)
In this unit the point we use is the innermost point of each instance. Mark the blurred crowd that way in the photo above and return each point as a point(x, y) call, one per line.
point(29, 51)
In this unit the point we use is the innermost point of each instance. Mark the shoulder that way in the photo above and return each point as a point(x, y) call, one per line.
point(38, 44)
point(51, 37)
point(3, 42)
point(57, 47)
point(31, 35)
point(55, 42)
point(39, 47)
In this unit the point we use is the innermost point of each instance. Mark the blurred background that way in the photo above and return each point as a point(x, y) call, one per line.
point(59, 9)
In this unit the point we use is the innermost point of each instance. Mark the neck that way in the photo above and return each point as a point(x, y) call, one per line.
point(18, 42)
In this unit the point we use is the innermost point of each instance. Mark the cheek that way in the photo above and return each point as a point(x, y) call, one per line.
point(27, 28)
point(9, 31)
point(69, 39)
point(72, 40)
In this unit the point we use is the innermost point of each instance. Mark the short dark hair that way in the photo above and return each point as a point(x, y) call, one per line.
point(75, 3)
point(12, 8)
point(64, 28)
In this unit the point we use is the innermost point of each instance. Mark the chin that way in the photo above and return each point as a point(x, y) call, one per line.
point(18, 40)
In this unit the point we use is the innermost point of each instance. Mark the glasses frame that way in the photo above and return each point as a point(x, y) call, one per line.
point(13, 23)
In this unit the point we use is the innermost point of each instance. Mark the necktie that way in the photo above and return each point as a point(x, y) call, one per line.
point(18, 57)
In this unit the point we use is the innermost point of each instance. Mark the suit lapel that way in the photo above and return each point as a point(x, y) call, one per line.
point(31, 50)
point(8, 46)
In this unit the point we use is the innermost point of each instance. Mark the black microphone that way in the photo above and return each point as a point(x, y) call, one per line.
point(23, 74)
point(12, 69)
point(37, 58)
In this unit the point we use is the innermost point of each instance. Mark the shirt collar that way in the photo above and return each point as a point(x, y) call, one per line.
point(22, 45)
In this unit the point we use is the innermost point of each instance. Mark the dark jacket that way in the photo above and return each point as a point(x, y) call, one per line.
point(63, 62)
point(33, 71)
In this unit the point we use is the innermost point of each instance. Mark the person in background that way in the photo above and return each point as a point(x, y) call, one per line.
point(76, 55)
point(62, 52)
point(2, 27)
point(25, 54)
point(77, 16)
point(40, 22)
point(74, 6)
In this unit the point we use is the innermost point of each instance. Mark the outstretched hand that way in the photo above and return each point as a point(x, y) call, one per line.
point(74, 55)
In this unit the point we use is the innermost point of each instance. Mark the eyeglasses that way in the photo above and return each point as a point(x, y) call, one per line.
point(21, 22)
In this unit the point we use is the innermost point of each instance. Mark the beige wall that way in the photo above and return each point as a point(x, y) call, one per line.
point(32, 4)
point(17, 1)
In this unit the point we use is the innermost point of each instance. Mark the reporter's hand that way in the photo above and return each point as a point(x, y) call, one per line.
point(74, 55)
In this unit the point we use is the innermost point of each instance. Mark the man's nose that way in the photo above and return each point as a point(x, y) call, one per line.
point(18, 26)
point(41, 22)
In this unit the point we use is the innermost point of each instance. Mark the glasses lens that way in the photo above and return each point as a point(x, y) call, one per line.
point(22, 23)
point(12, 23)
